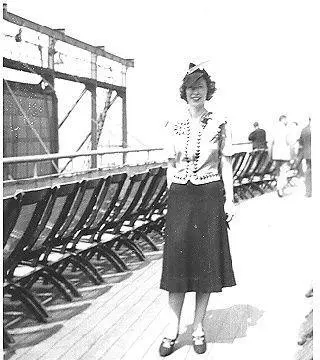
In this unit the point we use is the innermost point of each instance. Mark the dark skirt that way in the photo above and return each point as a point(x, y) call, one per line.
point(196, 254)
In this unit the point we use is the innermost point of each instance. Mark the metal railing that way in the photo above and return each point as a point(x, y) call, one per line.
point(102, 156)
point(99, 154)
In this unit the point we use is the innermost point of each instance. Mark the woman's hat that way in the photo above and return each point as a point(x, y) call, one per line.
point(193, 74)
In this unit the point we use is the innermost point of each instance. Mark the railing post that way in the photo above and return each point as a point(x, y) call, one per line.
point(35, 170)
point(94, 127)
point(124, 126)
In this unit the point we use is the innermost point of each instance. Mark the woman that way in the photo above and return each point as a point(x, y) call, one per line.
point(196, 253)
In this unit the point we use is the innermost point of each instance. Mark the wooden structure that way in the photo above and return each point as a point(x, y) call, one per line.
point(49, 74)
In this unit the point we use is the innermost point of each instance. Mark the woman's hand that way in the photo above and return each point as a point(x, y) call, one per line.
point(229, 209)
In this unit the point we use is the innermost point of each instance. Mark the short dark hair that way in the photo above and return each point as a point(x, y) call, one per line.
point(256, 124)
point(211, 85)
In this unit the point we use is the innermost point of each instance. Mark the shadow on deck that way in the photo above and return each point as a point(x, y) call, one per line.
point(125, 318)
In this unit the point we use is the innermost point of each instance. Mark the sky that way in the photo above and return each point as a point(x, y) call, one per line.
point(262, 55)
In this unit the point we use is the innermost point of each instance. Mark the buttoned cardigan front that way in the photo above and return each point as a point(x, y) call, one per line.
point(194, 147)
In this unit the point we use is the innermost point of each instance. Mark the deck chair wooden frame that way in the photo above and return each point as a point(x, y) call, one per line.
point(143, 222)
point(19, 243)
point(43, 252)
point(31, 303)
point(85, 240)
point(62, 246)
point(243, 178)
point(110, 234)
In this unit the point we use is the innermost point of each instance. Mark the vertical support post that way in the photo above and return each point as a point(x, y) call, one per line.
point(94, 127)
point(124, 76)
point(54, 124)
point(51, 52)
point(124, 126)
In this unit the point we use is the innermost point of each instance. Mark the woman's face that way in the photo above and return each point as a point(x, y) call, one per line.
point(197, 93)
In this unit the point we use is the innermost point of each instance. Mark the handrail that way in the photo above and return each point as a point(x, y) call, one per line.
point(55, 156)
point(36, 159)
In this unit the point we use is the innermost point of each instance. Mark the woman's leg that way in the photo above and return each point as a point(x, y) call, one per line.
point(202, 300)
point(174, 314)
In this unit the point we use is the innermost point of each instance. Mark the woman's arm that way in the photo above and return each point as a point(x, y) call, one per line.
point(226, 170)
point(227, 177)
point(170, 171)
point(270, 147)
point(170, 153)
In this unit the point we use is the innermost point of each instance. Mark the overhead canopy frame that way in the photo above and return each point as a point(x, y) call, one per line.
point(49, 73)
point(58, 35)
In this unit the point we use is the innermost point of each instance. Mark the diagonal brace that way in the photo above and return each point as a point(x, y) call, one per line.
point(72, 107)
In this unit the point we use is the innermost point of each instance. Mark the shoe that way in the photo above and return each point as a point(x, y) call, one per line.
point(199, 344)
point(167, 346)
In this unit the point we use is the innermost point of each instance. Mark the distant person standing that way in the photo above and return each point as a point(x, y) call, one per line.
point(305, 148)
point(294, 135)
point(258, 137)
point(280, 150)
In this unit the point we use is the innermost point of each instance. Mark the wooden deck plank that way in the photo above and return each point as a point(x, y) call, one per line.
point(71, 331)
point(129, 317)
point(148, 337)
point(152, 352)
point(129, 336)
point(100, 324)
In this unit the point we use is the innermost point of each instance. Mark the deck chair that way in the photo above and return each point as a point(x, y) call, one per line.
point(44, 250)
point(242, 183)
point(139, 221)
point(239, 193)
point(156, 179)
point(34, 209)
point(237, 161)
point(151, 216)
point(264, 175)
point(269, 176)
point(7, 339)
point(110, 233)
point(159, 210)
point(96, 208)
point(254, 178)
point(31, 304)
point(60, 248)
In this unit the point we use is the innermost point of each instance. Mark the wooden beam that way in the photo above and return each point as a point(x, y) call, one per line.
point(17, 65)
point(58, 35)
